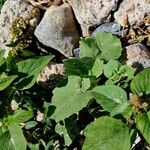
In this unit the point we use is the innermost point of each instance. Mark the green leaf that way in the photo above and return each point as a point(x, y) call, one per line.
point(97, 68)
point(17, 138)
point(127, 71)
point(71, 98)
point(68, 129)
point(30, 124)
point(124, 109)
point(109, 96)
point(19, 116)
point(83, 67)
point(117, 73)
point(86, 83)
point(5, 141)
point(3, 64)
point(12, 44)
point(79, 67)
point(107, 134)
point(143, 124)
point(13, 139)
point(109, 44)
point(61, 129)
point(111, 68)
point(141, 83)
point(88, 48)
point(5, 81)
point(32, 68)
point(33, 146)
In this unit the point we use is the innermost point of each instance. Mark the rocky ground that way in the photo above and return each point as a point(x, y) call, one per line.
point(55, 26)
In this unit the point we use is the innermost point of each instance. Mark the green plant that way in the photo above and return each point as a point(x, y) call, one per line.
point(16, 78)
point(102, 98)
point(101, 103)
point(1, 3)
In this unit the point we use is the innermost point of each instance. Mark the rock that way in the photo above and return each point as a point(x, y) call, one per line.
point(112, 27)
point(11, 10)
point(76, 52)
point(58, 29)
point(134, 9)
point(92, 12)
point(138, 56)
point(51, 75)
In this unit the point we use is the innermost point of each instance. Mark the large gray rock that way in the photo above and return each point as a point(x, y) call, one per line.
point(58, 30)
point(138, 56)
point(92, 12)
point(134, 9)
point(11, 10)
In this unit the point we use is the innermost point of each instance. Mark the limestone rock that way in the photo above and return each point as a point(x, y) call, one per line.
point(92, 12)
point(58, 30)
point(138, 56)
point(135, 9)
point(9, 12)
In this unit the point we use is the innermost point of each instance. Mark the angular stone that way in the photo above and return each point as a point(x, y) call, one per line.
point(138, 56)
point(58, 30)
point(11, 10)
point(92, 12)
point(112, 27)
point(134, 9)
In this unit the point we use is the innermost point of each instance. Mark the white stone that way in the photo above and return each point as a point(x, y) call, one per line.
point(134, 9)
point(10, 10)
point(92, 12)
point(138, 56)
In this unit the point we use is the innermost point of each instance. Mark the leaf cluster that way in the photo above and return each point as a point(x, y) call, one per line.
point(103, 99)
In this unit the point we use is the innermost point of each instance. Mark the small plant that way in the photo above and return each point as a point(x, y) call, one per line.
point(102, 100)
point(16, 78)
point(101, 103)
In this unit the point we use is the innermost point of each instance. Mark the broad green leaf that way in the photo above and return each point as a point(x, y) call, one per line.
point(86, 83)
point(78, 67)
point(83, 67)
point(32, 68)
point(141, 83)
point(143, 124)
point(109, 44)
point(5, 142)
point(34, 65)
point(125, 109)
point(109, 96)
point(71, 98)
point(118, 74)
point(107, 133)
point(127, 71)
point(27, 53)
point(17, 138)
point(5, 81)
point(111, 68)
point(88, 48)
point(97, 68)
point(19, 116)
